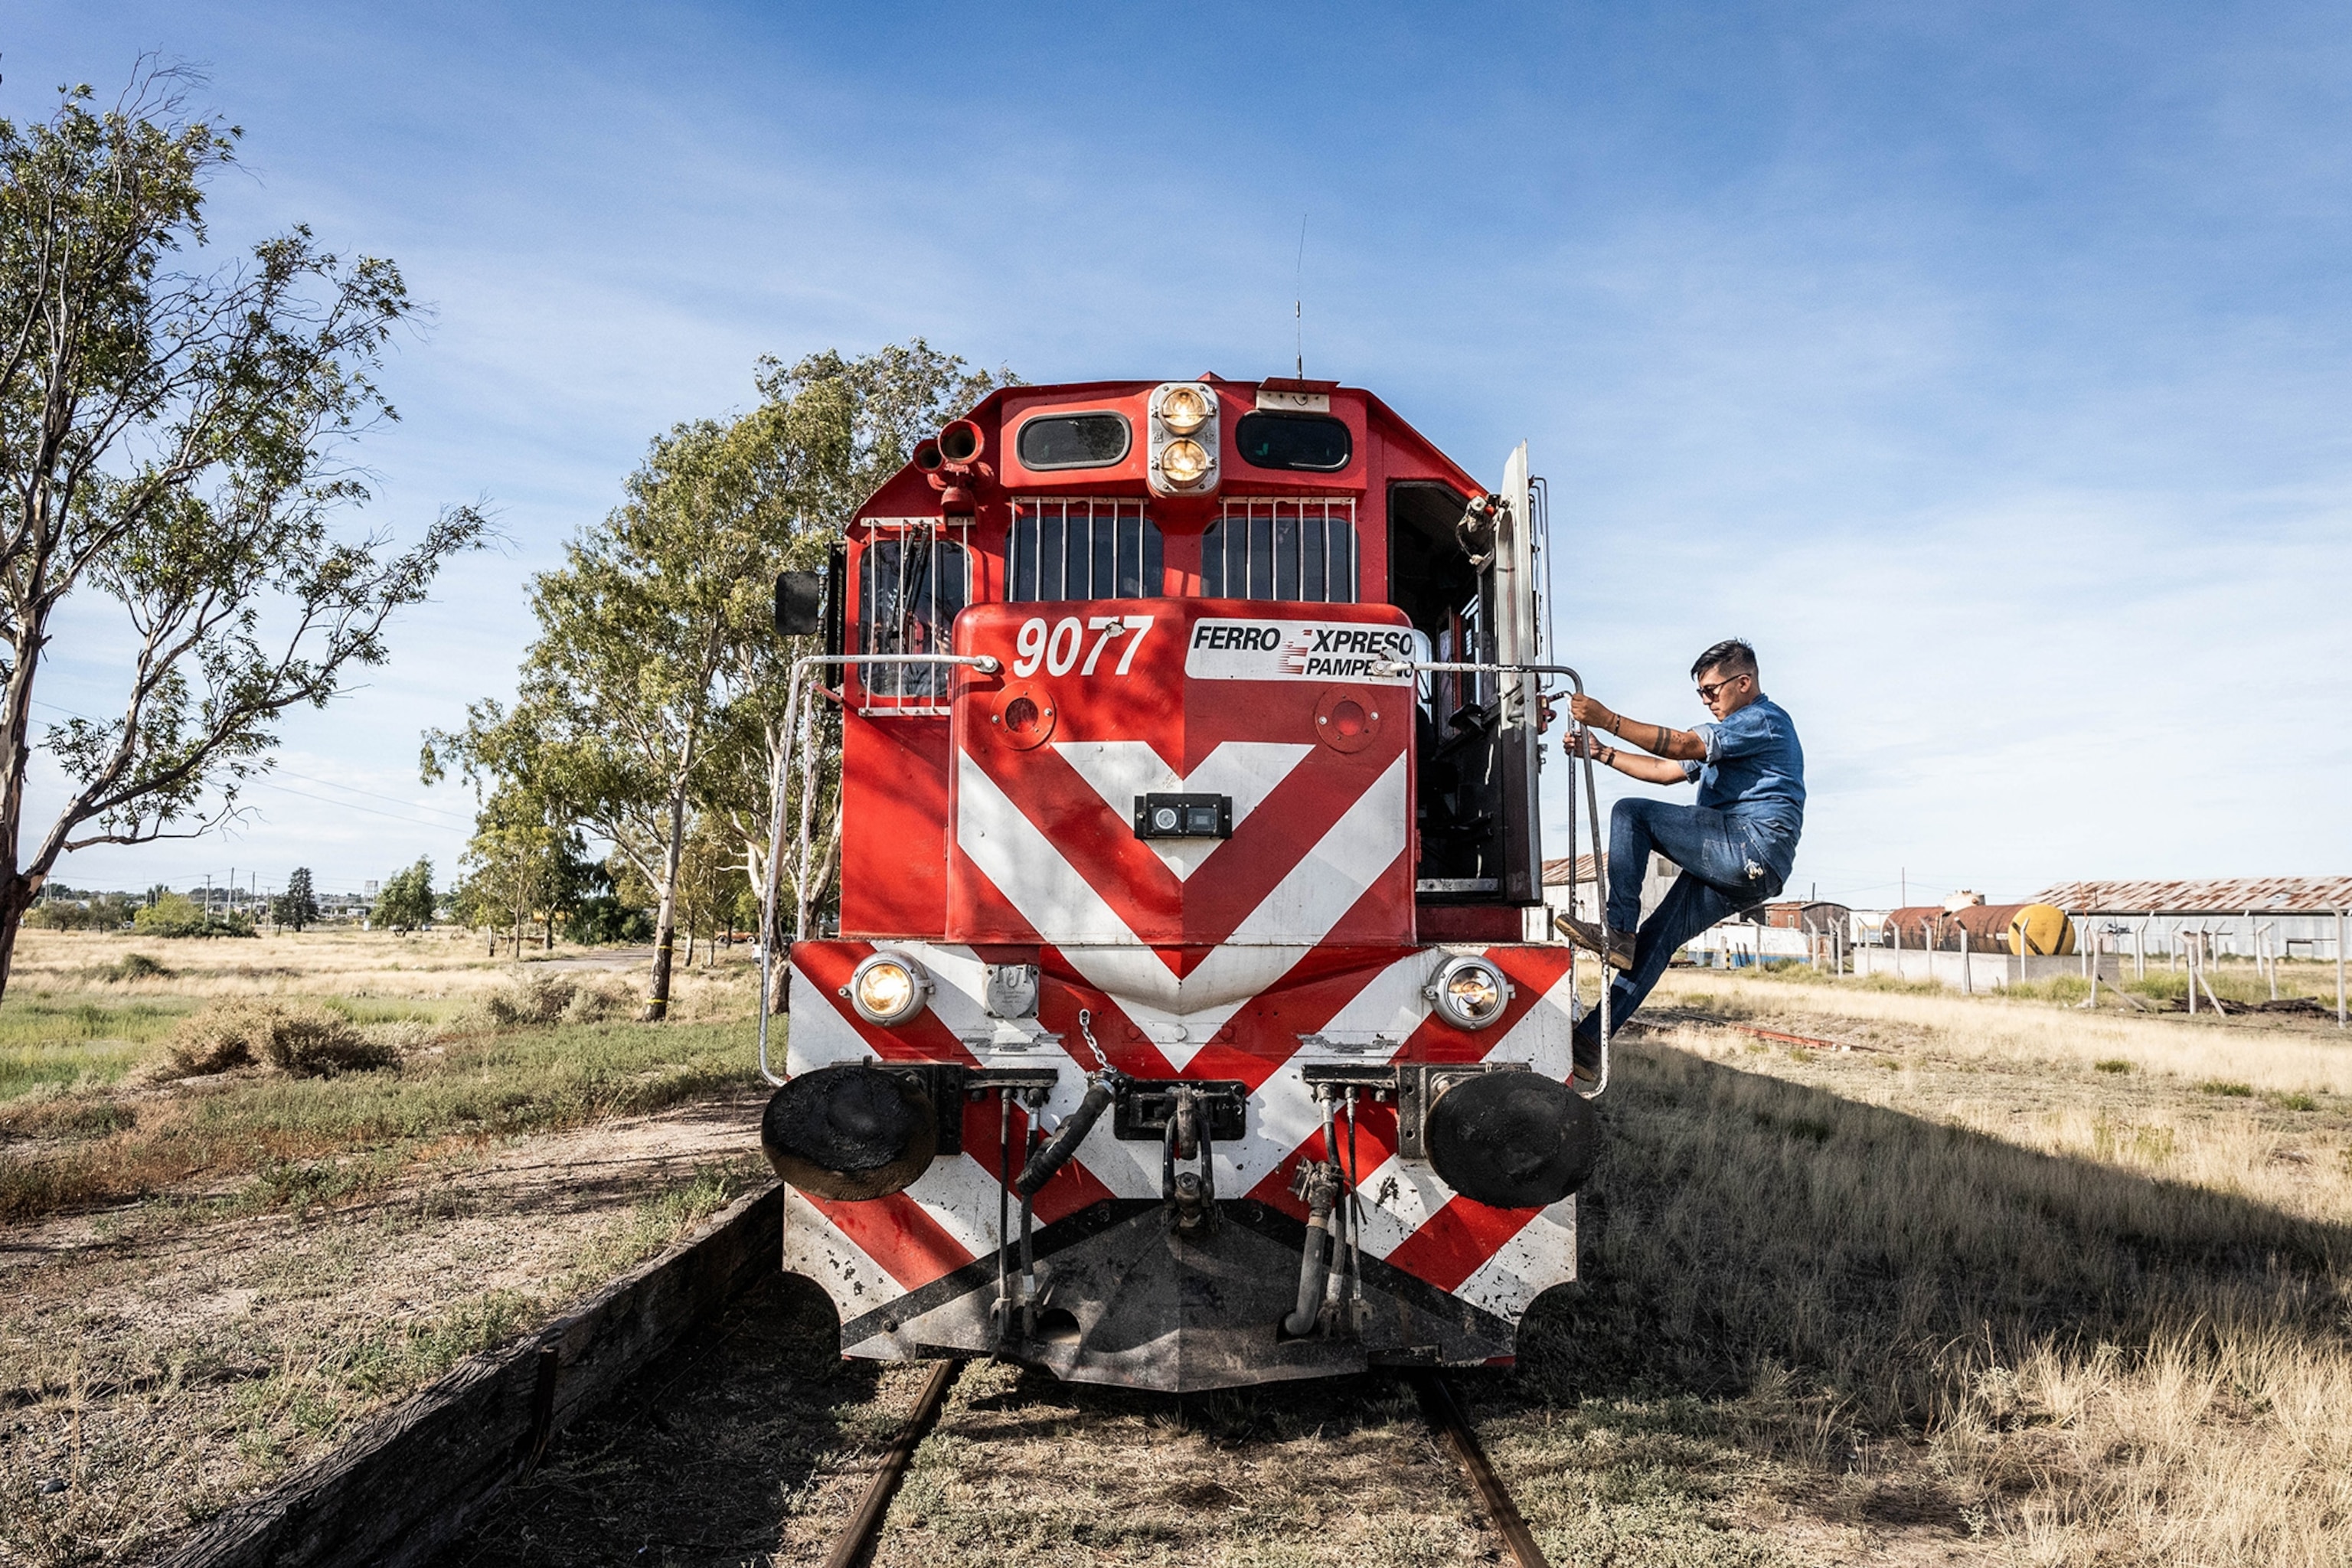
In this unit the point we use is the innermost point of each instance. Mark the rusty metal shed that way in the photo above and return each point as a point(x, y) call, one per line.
point(2215, 895)
point(2300, 915)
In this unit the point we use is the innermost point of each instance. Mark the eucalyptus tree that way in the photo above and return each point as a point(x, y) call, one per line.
point(522, 864)
point(848, 425)
point(656, 687)
point(174, 442)
point(611, 722)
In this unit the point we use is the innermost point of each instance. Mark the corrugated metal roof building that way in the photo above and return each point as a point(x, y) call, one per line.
point(2299, 916)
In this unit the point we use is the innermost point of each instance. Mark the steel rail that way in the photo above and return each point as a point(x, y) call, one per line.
point(858, 1540)
point(1437, 1403)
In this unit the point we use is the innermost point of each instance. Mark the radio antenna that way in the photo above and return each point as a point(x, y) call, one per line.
point(1298, 312)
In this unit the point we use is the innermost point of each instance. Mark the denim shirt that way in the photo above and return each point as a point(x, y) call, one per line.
point(1755, 774)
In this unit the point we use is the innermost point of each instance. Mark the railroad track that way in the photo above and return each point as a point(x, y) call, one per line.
point(666, 1419)
point(854, 1546)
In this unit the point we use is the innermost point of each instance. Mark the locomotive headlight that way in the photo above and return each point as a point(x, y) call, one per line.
point(1183, 461)
point(887, 988)
point(1184, 410)
point(1469, 993)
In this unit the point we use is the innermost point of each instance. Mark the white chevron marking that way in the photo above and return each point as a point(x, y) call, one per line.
point(1121, 770)
point(1301, 909)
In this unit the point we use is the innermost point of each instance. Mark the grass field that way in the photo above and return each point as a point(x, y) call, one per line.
point(2077, 1287)
point(90, 1116)
point(210, 1279)
point(1992, 1279)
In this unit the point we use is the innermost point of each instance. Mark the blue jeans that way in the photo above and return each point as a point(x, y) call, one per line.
point(1715, 855)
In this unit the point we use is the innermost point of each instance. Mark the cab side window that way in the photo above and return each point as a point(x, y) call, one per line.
point(911, 581)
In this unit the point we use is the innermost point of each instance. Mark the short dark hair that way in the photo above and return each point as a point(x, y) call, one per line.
point(1732, 655)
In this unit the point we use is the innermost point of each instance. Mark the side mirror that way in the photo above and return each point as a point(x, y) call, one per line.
point(800, 603)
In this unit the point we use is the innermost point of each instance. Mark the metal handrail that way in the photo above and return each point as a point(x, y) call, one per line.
point(987, 664)
point(1581, 753)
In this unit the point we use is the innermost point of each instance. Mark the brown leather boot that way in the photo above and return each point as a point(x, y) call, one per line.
point(1615, 947)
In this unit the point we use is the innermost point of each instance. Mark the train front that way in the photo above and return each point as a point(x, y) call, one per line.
point(1184, 1028)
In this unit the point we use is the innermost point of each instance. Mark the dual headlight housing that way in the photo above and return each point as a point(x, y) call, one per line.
point(1182, 438)
point(1469, 993)
point(887, 988)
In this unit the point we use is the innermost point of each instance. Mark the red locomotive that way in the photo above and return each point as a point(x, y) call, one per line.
point(1193, 1018)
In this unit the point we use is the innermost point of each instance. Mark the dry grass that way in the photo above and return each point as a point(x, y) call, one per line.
point(2077, 1315)
point(466, 1048)
point(148, 1384)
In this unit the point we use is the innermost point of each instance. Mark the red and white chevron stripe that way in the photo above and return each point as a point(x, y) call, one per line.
point(1326, 999)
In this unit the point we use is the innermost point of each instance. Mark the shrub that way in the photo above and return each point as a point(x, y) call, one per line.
point(172, 914)
point(2112, 1064)
point(539, 999)
point(137, 966)
point(312, 1042)
point(2223, 1086)
point(531, 999)
point(308, 1042)
point(606, 998)
point(224, 1036)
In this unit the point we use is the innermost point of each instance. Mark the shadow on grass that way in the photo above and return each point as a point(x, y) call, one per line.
point(698, 1457)
point(1739, 1221)
point(1772, 1274)
point(1786, 1296)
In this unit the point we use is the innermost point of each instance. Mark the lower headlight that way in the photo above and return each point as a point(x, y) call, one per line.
point(887, 988)
point(1469, 993)
point(1183, 462)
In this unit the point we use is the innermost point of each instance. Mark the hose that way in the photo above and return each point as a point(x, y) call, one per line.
point(1320, 1184)
point(1066, 1141)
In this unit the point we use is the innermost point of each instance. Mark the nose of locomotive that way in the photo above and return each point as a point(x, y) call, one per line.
point(1182, 772)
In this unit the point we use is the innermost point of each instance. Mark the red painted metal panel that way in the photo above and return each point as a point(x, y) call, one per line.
point(894, 834)
point(1104, 701)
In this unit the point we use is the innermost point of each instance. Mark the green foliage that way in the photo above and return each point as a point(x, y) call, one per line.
point(177, 441)
point(298, 905)
point(405, 901)
point(654, 692)
point(2112, 1064)
point(2228, 1088)
point(173, 914)
point(604, 919)
point(522, 863)
point(106, 912)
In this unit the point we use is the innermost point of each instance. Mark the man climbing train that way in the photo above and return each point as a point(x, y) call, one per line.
point(1735, 846)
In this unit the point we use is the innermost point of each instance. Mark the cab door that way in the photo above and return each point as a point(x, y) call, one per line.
point(1514, 589)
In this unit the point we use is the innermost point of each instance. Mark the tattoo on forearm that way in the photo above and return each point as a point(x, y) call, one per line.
point(1661, 747)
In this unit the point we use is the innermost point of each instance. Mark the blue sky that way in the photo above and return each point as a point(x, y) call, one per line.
point(1986, 365)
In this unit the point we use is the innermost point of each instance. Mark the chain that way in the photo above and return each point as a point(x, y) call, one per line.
point(1086, 1029)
